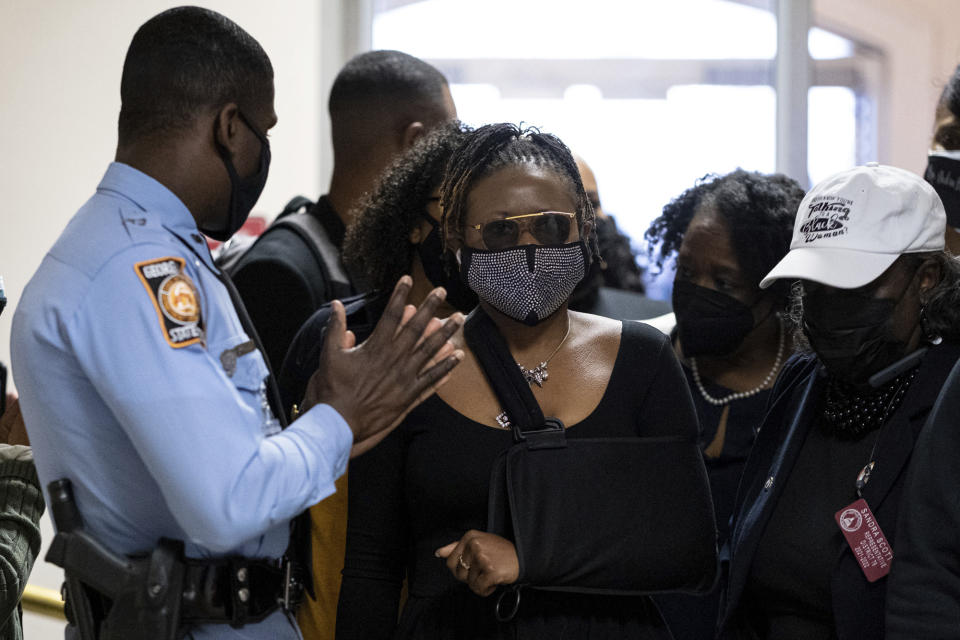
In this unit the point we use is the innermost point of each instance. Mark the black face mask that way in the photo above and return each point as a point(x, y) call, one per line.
point(709, 323)
point(244, 192)
point(441, 269)
point(850, 333)
point(943, 174)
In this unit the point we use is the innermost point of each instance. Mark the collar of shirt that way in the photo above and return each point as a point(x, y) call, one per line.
point(157, 200)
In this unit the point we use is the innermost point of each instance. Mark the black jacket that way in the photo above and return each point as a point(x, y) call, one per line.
point(363, 313)
point(923, 598)
point(858, 605)
point(281, 282)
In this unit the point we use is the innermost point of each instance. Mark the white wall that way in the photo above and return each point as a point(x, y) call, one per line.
point(61, 96)
point(921, 42)
point(59, 101)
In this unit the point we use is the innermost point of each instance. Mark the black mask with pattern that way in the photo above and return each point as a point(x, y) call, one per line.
point(943, 174)
point(528, 283)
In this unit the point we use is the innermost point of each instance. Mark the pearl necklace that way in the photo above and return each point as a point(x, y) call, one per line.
point(739, 395)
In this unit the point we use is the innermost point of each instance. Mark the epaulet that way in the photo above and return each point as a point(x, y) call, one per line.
point(138, 226)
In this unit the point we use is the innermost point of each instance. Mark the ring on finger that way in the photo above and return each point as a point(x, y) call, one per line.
point(463, 564)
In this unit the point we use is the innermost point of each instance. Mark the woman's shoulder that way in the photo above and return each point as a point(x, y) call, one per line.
point(589, 323)
point(623, 332)
point(633, 349)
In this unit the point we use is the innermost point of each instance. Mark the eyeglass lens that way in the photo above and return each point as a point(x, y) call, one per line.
point(550, 228)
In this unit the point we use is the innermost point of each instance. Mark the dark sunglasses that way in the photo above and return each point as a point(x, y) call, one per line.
point(548, 227)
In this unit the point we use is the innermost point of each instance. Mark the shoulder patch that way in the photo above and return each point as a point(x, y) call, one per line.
point(176, 299)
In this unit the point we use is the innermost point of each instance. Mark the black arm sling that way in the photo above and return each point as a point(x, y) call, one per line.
point(616, 515)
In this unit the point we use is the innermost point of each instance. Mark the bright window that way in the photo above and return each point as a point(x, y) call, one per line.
point(653, 94)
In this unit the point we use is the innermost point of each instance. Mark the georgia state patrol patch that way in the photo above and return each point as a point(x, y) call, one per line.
point(175, 298)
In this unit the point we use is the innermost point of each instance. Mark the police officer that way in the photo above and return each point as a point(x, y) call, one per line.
point(138, 379)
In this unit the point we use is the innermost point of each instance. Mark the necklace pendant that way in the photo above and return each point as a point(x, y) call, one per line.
point(864, 476)
point(537, 375)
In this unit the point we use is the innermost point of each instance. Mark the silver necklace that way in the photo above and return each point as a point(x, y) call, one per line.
point(719, 402)
point(537, 375)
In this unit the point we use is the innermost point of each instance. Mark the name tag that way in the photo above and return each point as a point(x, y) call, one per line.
point(866, 539)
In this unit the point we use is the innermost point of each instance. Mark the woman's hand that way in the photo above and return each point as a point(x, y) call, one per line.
point(482, 560)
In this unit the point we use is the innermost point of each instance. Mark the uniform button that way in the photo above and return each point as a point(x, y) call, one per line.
point(243, 594)
point(197, 237)
point(768, 484)
point(196, 263)
point(873, 164)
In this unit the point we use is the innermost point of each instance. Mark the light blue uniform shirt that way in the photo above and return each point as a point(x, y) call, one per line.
point(124, 391)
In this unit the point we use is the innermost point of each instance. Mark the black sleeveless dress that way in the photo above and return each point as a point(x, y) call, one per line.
point(427, 484)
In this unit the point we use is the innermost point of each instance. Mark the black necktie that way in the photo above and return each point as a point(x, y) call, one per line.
point(273, 391)
point(300, 546)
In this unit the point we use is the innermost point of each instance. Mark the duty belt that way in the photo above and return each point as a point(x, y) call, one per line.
point(160, 595)
point(238, 591)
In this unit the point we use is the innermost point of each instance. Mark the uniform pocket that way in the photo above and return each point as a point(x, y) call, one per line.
point(244, 365)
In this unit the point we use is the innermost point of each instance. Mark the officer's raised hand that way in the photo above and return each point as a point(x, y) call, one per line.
point(375, 384)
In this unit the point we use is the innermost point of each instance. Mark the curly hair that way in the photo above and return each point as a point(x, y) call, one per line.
point(496, 146)
point(376, 248)
point(759, 211)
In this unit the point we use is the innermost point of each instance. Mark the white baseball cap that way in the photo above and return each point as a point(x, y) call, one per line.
point(852, 226)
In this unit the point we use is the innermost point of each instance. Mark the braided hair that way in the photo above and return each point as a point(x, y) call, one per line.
point(758, 209)
point(376, 248)
point(498, 146)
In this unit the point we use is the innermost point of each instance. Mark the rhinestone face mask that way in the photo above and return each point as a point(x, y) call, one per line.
point(527, 283)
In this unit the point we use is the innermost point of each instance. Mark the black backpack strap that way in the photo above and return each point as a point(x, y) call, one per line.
point(503, 374)
point(313, 234)
point(296, 204)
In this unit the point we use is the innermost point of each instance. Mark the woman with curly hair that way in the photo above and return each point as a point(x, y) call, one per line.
point(395, 232)
point(406, 204)
point(725, 234)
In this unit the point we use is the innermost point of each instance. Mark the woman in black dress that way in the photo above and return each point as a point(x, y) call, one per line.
point(725, 234)
point(418, 502)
